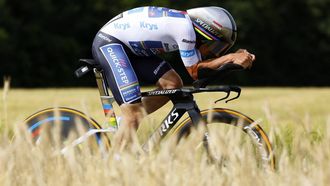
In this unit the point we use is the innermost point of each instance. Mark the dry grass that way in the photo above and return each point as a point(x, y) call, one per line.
point(297, 121)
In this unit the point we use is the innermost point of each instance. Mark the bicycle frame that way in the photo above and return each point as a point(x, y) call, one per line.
point(180, 107)
point(182, 99)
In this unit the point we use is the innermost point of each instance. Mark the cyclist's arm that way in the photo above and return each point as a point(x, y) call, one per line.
point(241, 57)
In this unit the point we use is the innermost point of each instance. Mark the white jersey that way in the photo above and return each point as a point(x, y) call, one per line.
point(150, 31)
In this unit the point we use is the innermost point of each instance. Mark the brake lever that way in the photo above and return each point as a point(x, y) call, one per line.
point(238, 91)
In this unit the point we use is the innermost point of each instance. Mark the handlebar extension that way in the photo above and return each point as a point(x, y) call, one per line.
point(207, 75)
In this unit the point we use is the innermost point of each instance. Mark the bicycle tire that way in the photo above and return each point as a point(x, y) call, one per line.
point(69, 120)
point(234, 118)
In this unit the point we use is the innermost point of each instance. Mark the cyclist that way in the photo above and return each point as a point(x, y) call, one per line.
point(127, 48)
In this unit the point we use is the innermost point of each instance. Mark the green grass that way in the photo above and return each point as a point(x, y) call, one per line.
point(296, 119)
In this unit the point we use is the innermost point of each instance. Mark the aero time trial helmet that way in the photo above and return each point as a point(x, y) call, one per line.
point(215, 29)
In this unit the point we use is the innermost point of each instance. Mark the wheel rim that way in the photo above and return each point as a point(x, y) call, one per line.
point(264, 145)
point(68, 118)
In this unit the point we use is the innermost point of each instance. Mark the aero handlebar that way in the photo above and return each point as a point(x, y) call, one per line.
point(206, 75)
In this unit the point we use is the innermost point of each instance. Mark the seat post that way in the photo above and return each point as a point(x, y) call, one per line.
point(106, 100)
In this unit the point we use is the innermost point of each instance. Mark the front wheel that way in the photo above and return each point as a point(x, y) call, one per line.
point(215, 119)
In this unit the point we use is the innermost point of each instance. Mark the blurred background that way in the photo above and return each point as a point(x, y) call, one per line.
point(42, 40)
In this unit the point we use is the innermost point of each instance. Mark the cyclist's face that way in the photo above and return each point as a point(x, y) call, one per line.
point(212, 49)
point(204, 50)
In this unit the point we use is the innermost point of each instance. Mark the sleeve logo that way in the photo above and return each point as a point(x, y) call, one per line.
point(187, 53)
point(188, 41)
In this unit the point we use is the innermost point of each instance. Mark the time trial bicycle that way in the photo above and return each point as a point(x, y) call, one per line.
point(68, 120)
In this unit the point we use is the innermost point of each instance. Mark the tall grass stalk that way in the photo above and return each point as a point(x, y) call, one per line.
point(4, 115)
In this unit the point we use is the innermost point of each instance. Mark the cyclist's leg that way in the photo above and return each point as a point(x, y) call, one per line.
point(156, 70)
point(121, 79)
point(170, 80)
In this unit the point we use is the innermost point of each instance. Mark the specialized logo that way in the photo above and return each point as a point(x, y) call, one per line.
point(207, 27)
point(168, 121)
point(188, 41)
point(187, 53)
point(161, 92)
point(148, 26)
point(121, 26)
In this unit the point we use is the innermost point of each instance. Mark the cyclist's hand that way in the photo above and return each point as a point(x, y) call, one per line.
point(243, 57)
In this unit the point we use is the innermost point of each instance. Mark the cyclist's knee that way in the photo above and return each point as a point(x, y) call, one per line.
point(170, 80)
point(177, 83)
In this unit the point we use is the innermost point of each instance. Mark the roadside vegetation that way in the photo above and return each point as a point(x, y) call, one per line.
point(297, 121)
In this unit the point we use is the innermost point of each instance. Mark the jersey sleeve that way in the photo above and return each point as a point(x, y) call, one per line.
point(186, 39)
point(190, 57)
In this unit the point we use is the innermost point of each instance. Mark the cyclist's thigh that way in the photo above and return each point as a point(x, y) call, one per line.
point(120, 75)
point(150, 69)
point(170, 80)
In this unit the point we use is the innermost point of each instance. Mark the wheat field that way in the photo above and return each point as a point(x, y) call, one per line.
point(297, 121)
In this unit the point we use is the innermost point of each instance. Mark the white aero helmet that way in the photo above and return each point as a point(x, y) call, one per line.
point(214, 27)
